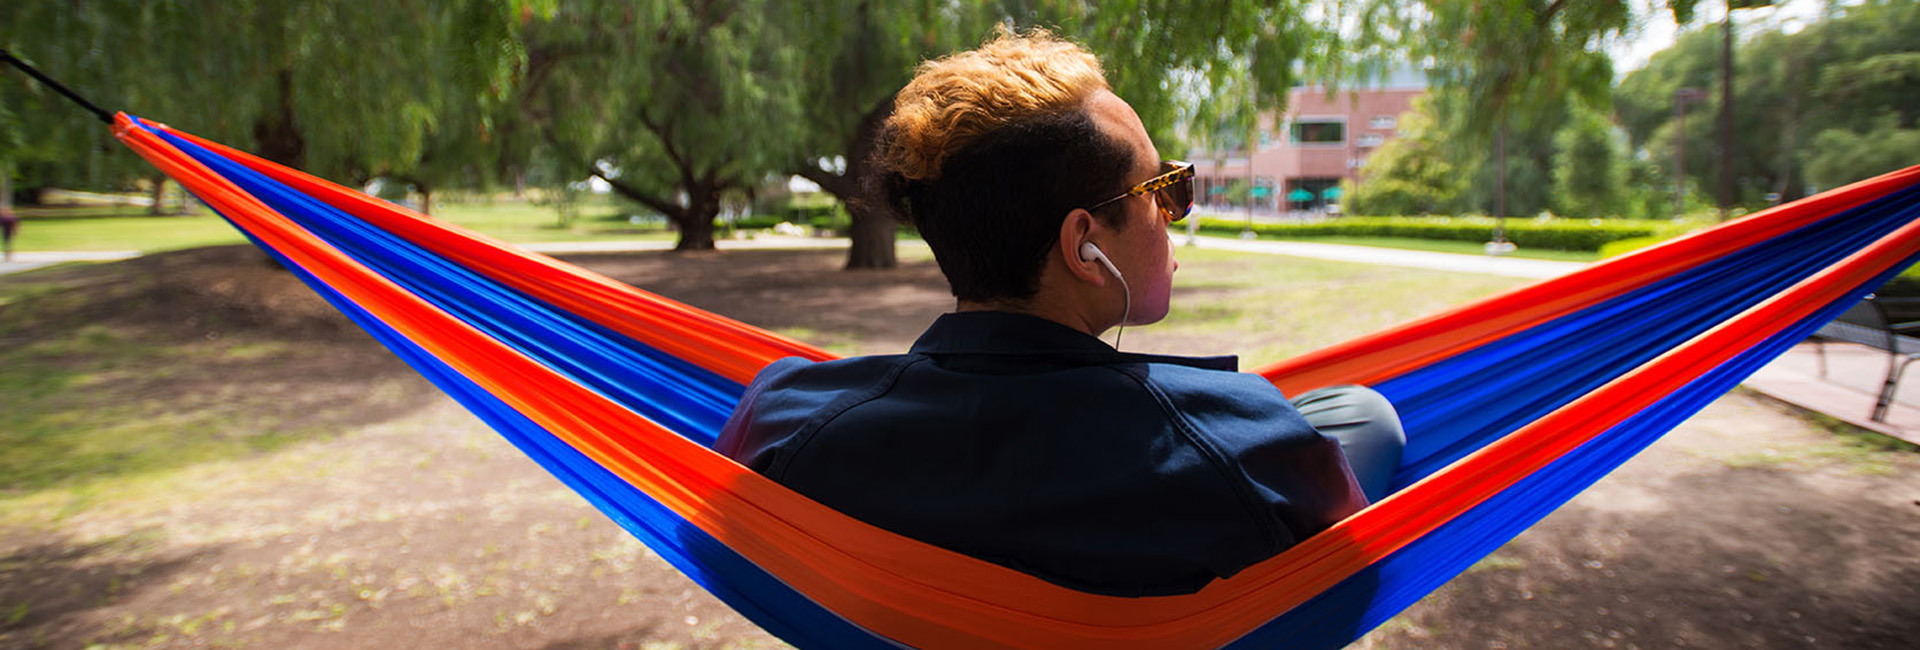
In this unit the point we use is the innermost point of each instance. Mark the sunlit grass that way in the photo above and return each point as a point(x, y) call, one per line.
point(56, 431)
point(125, 229)
point(1266, 308)
point(524, 222)
point(146, 234)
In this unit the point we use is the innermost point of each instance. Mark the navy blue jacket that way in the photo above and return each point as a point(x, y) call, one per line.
point(1026, 443)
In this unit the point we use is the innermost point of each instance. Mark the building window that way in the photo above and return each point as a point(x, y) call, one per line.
point(1371, 139)
point(1382, 122)
point(1319, 132)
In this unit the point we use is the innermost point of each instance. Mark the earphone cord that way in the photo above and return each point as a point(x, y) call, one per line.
point(1125, 313)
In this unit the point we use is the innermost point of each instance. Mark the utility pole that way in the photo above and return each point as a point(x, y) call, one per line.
point(1253, 145)
point(1500, 245)
point(1253, 140)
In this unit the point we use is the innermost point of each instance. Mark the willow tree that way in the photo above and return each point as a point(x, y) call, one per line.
point(672, 104)
point(326, 86)
point(1174, 61)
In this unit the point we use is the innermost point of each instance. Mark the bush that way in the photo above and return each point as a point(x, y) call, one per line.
point(828, 216)
point(754, 222)
point(1543, 234)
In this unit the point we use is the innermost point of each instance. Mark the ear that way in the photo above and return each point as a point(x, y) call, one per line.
point(1078, 228)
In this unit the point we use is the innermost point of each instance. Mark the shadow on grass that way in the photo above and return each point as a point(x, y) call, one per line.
point(47, 591)
point(178, 358)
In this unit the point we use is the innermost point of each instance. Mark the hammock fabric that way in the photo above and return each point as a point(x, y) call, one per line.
point(1512, 405)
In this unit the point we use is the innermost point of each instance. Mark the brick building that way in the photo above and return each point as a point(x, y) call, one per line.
point(1320, 141)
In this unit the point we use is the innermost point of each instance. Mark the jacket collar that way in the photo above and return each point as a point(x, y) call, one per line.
point(1010, 334)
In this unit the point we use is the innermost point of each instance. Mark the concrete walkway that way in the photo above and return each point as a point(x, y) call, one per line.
point(1451, 262)
point(771, 241)
point(1844, 382)
point(22, 261)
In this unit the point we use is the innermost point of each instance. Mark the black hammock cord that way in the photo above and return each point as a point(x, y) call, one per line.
point(56, 86)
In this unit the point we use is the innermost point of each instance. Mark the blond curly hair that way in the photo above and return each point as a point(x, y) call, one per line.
point(954, 100)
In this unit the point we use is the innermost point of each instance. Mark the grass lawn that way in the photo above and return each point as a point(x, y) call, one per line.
point(145, 234)
point(95, 394)
point(1267, 308)
point(129, 229)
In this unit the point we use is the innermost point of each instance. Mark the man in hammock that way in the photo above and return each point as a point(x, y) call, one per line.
point(1010, 431)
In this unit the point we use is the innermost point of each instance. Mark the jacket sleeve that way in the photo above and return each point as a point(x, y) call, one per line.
point(1296, 479)
point(758, 425)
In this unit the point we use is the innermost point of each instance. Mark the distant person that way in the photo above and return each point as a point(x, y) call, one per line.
point(1010, 431)
point(9, 226)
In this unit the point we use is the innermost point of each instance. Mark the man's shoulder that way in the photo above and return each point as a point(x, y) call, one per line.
point(790, 394)
point(1212, 389)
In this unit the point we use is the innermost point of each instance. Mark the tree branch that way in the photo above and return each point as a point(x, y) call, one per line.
point(835, 184)
point(667, 208)
point(1552, 9)
point(664, 133)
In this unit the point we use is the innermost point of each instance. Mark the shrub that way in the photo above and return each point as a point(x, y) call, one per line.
point(754, 222)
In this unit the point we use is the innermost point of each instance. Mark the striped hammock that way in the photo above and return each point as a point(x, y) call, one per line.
point(1512, 405)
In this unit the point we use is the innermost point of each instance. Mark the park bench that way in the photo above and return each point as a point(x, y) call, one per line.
point(1884, 323)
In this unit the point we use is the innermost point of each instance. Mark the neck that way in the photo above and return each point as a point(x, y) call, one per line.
point(1036, 307)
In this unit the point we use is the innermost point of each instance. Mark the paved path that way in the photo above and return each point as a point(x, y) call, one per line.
point(565, 247)
point(1454, 262)
point(22, 261)
point(1843, 382)
point(1507, 266)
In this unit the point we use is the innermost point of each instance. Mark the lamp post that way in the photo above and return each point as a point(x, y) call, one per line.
point(1681, 97)
point(1253, 140)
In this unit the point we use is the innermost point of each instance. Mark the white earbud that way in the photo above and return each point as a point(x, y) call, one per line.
point(1092, 253)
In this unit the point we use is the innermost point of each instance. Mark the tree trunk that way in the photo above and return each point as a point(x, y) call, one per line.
point(873, 229)
point(426, 199)
point(695, 235)
point(278, 135)
point(158, 207)
point(873, 241)
point(1500, 181)
point(696, 221)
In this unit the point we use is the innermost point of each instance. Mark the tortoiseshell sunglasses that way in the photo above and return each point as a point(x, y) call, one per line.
point(1172, 190)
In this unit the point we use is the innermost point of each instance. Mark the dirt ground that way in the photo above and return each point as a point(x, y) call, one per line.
point(412, 525)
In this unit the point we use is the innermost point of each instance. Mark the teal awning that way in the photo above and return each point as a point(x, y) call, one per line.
point(1331, 193)
point(1300, 194)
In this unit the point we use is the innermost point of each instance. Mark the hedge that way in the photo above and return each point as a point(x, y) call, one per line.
point(821, 217)
point(1542, 234)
